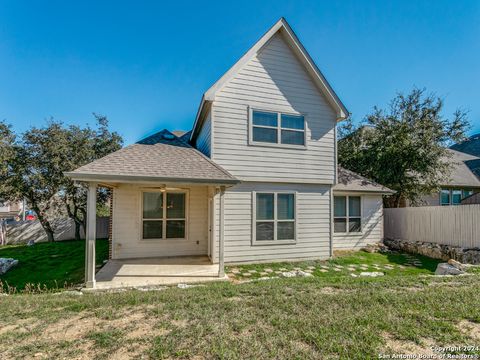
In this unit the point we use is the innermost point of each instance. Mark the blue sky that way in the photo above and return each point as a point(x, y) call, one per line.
point(146, 64)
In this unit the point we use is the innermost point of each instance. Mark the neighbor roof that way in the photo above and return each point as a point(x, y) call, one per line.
point(470, 146)
point(160, 157)
point(465, 169)
point(350, 181)
point(302, 54)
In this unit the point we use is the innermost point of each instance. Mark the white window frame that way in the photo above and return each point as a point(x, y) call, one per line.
point(275, 220)
point(279, 128)
point(164, 218)
point(347, 208)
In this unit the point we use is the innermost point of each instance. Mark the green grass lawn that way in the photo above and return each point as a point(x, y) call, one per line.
point(294, 318)
point(329, 315)
point(348, 264)
point(49, 265)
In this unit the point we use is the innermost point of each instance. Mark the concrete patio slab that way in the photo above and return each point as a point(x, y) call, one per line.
point(156, 271)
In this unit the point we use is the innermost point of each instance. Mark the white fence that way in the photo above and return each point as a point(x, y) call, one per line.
point(64, 229)
point(447, 225)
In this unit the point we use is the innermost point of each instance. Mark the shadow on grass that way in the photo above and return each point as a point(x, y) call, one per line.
point(401, 258)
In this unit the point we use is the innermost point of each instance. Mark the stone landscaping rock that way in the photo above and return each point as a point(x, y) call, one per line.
point(447, 269)
point(372, 273)
point(295, 273)
point(186, 286)
point(6, 264)
point(376, 247)
point(72, 292)
point(437, 251)
point(457, 264)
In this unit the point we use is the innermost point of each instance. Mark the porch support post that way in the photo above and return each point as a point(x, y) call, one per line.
point(90, 235)
point(221, 240)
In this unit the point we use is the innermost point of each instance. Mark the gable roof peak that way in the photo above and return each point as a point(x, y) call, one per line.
point(298, 49)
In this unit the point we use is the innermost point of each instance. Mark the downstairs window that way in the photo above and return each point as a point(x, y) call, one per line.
point(274, 217)
point(164, 215)
point(347, 214)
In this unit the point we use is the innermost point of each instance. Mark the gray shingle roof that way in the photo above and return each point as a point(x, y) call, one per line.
point(470, 146)
point(350, 181)
point(162, 156)
point(465, 169)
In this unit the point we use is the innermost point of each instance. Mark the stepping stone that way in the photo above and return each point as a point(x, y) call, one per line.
point(278, 272)
point(339, 266)
point(401, 267)
point(323, 270)
point(268, 270)
point(337, 269)
point(297, 268)
point(324, 267)
point(309, 271)
point(351, 269)
point(311, 267)
point(389, 267)
point(252, 271)
point(264, 273)
point(235, 271)
point(246, 274)
point(283, 269)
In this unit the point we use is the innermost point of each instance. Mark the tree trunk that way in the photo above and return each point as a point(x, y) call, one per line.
point(74, 216)
point(77, 231)
point(47, 227)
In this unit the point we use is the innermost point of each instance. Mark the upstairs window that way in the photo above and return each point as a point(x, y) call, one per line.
point(347, 214)
point(277, 128)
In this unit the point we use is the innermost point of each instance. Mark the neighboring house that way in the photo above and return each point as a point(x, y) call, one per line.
point(470, 146)
point(10, 210)
point(461, 183)
point(256, 180)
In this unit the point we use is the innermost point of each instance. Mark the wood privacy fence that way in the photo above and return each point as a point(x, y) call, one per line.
point(446, 225)
point(20, 232)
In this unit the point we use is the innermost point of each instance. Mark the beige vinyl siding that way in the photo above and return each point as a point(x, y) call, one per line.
point(372, 225)
point(127, 226)
point(312, 221)
point(274, 80)
point(203, 142)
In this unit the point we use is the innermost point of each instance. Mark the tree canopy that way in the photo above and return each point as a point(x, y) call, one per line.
point(403, 147)
point(33, 167)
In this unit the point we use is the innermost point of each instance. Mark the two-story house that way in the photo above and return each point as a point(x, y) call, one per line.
point(255, 180)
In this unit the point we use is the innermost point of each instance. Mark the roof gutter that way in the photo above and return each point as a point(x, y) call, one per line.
point(143, 179)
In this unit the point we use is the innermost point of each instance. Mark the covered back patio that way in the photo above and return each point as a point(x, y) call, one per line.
point(167, 214)
point(126, 273)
